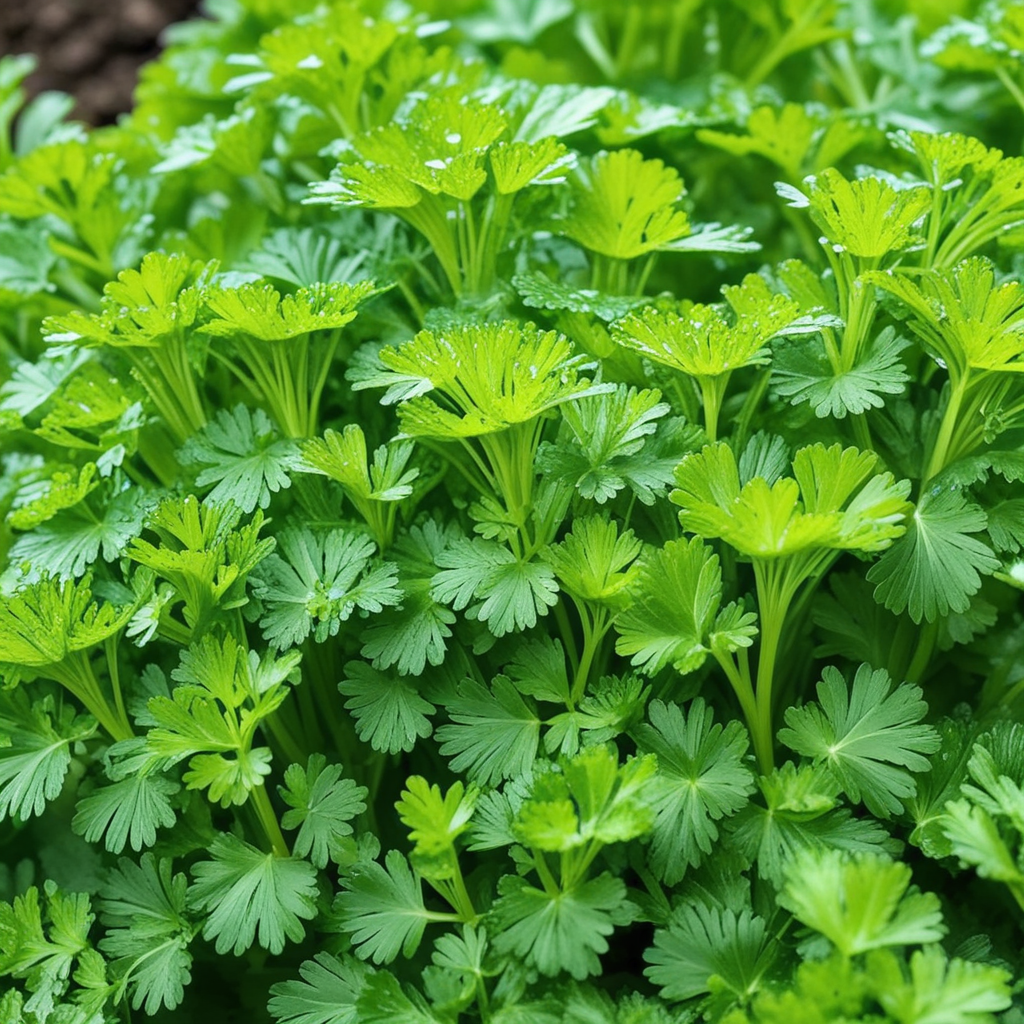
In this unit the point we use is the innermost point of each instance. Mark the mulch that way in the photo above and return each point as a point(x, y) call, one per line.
point(89, 48)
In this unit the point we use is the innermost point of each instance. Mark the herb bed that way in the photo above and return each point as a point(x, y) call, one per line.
point(512, 513)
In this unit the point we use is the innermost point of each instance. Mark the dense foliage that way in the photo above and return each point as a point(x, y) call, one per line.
point(512, 512)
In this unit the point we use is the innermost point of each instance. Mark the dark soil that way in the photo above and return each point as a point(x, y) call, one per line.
point(89, 48)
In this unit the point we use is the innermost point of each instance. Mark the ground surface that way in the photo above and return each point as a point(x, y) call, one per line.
point(89, 48)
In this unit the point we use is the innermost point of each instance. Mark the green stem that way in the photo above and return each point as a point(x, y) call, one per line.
point(775, 590)
point(290, 746)
point(742, 687)
point(1011, 86)
point(712, 390)
point(268, 819)
point(861, 431)
point(923, 652)
point(76, 675)
point(594, 631)
point(751, 401)
point(940, 451)
point(568, 638)
point(544, 873)
point(110, 649)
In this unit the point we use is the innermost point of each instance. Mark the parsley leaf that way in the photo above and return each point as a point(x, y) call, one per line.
point(868, 736)
point(626, 206)
point(509, 593)
point(321, 580)
point(938, 565)
point(322, 805)
point(495, 732)
point(701, 779)
point(704, 949)
point(390, 715)
point(676, 616)
point(239, 451)
point(563, 931)
point(36, 744)
point(252, 896)
point(129, 810)
point(143, 905)
point(860, 903)
point(327, 993)
point(381, 907)
point(802, 373)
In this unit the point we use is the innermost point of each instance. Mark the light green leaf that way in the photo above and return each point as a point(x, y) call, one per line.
point(561, 931)
point(674, 617)
point(381, 907)
point(938, 565)
point(868, 736)
point(701, 779)
point(861, 902)
point(390, 715)
point(322, 805)
point(252, 896)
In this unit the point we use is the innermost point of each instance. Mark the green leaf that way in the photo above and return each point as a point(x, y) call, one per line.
point(413, 635)
point(70, 542)
point(592, 799)
point(434, 823)
point(143, 907)
point(975, 839)
point(252, 896)
point(495, 732)
point(510, 594)
point(938, 565)
point(521, 21)
point(327, 993)
point(390, 715)
point(964, 317)
point(128, 810)
point(701, 779)
point(485, 378)
point(538, 291)
point(148, 308)
point(626, 206)
point(938, 988)
point(538, 670)
point(241, 454)
point(40, 941)
point(36, 744)
point(867, 217)
point(560, 931)
point(802, 373)
point(322, 805)
point(260, 311)
point(707, 949)
point(343, 458)
point(784, 136)
point(860, 903)
point(800, 816)
point(834, 502)
point(675, 616)
point(593, 562)
point(610, 444)
point(223, 693)
point(381, 907)
point(321, 580)
point(438, 148)
point(704, 341)
point(519, 164)
point(868, 736)
point(43, 624)
point(383, 1001)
